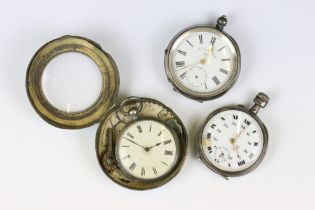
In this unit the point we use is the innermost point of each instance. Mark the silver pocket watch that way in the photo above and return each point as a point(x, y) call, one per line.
point(203, 62)
point(233, 140)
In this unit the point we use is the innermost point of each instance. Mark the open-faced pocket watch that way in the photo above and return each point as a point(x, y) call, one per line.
point(203, 62)
point(140, 143)
point(233, 140)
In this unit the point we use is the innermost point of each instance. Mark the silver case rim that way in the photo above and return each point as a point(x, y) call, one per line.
point(195, 96)
point(201, 154)
point(177, 142)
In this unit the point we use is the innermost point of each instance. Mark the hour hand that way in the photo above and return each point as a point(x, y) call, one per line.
point(157, 144)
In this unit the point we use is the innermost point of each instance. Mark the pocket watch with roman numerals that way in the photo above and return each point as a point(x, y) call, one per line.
point(203, 62)
point(140, 144)
point(233, 140)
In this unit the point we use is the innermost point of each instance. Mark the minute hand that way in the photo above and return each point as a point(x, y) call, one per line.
point(237, 135)
point(135, 143)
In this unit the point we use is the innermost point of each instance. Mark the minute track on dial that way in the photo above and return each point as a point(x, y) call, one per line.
point(148, 149)
point(238, 132)
point(210, 48)
point(232, 146)
point(154, 128)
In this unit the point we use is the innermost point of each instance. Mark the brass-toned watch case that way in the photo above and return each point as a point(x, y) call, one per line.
point(104, 109)
point(84, 118)
point(114, 123)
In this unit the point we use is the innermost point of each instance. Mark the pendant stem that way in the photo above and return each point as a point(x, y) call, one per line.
point(261, 101)
point(221, 22)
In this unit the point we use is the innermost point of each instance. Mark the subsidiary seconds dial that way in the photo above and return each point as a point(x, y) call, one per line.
point(233, 140)
point(205, 52)
point(203, 62)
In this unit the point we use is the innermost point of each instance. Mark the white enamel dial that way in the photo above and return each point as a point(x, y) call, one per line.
point(232, 140)
point(203, 60)
point(147, 149)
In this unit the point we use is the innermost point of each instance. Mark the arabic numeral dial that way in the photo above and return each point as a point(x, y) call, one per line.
point(232, 140)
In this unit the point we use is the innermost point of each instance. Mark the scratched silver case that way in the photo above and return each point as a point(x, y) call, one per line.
point(251, 112)
point(192, 94)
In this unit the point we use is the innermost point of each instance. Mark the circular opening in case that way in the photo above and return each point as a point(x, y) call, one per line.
point(72, 92)
point(71, 82)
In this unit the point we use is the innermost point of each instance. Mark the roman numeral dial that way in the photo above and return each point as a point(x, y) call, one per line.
point(147, 149)
point(232, 140)
point(202, 61)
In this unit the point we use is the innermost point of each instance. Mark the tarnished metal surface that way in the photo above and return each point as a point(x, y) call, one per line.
point(106, 65)
point(116, 121)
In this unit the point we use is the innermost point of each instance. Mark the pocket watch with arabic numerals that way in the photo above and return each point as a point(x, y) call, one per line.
point(141, 143)
point(203, 62)
point(233, 140)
